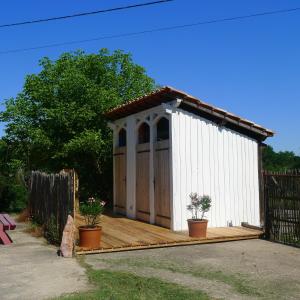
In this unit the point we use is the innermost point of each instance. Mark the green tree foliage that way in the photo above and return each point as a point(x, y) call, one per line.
point(58, 121)
point(280, 161)
point(12, 186)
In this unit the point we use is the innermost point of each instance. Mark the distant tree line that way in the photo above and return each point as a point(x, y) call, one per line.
point(280, 161)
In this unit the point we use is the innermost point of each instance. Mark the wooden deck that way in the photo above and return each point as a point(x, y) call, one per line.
point(122, 234)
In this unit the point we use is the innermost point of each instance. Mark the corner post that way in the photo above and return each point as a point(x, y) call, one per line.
point(113, 127)
point(131, 167)
point(262, 202)
point(151, 171)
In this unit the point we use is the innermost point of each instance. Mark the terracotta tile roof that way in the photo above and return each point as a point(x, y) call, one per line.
point(166, 94)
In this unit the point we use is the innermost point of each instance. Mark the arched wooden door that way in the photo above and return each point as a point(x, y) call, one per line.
point(120, 174)
point(162, 201)
point(142, 173)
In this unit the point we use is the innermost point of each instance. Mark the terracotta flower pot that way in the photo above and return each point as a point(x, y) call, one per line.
point(197, 228)
point(90, 237)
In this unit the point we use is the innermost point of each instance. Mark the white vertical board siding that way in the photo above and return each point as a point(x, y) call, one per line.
point(214, 161)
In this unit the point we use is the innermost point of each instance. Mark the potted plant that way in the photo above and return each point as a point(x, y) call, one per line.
point(198, 207)
point(90, 233)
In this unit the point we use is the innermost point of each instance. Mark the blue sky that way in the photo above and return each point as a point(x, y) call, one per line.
point(249, 67)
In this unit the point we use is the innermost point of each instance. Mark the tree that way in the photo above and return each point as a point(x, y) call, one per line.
point(279, 161)
point(58, 121)
point(12, 186)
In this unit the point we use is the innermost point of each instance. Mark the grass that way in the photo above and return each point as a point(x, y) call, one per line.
point(23, 216)
point(34, 229)
point(289, 239)
point(238, 282)
point(125, 286)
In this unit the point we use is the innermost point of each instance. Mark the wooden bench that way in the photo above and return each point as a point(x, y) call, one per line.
point(6, 223)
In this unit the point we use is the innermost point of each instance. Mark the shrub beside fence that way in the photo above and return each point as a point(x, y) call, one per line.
point(282, 201)
point(52, 198)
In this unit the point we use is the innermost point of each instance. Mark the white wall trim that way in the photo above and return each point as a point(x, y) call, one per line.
point(171, 171)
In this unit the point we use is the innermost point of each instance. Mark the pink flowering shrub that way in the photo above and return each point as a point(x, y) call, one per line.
point(92, 211)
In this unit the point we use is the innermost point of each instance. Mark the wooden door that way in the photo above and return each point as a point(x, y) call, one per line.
point(142, 182)
point(120, 180)
point(162, 184)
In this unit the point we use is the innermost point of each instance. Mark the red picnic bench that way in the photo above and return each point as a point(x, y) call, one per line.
point(6, 223)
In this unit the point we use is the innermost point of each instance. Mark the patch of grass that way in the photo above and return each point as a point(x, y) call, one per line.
point(238, 282)
point(23, 216)
point(35, 229)
point(51, 232)
point(290, 239)
point(125, 286)
point(48, 230)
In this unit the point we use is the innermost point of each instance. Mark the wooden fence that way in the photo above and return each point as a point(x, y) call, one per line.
point(282, 206)
point(52, 197)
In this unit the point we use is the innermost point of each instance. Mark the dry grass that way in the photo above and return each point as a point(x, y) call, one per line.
point(48, 230)
point(23, 216)
point(34, 229)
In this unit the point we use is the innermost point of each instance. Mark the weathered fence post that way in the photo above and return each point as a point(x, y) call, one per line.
point(52, 197)
point(282, 200)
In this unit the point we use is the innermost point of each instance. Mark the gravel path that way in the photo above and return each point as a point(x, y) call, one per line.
point(31, 269)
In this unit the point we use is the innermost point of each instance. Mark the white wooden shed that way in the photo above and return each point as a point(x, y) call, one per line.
point(168, 144)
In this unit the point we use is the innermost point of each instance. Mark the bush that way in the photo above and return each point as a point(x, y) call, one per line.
point(199, 204)
point(13, 197)
point(51, 231)
point(92, 211)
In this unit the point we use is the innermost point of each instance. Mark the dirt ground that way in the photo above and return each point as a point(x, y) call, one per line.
point(252, 269)
point(31, 269)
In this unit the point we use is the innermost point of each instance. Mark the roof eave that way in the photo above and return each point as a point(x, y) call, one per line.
point(169, 92)
point(223, 115)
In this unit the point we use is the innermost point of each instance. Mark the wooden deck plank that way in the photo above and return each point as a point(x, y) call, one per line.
point(133, 235)
point(113, 240)
point(160, 232)
point(122, 234)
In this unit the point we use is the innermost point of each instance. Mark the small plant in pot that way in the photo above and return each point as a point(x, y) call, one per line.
point(90, 233)
point(198, 207)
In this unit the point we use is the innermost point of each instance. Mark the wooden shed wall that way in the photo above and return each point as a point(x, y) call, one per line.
point(131, 124)
point(216, 161)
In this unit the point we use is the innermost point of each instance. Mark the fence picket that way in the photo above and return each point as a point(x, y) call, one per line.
point(282, 202)
point(52, 197)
